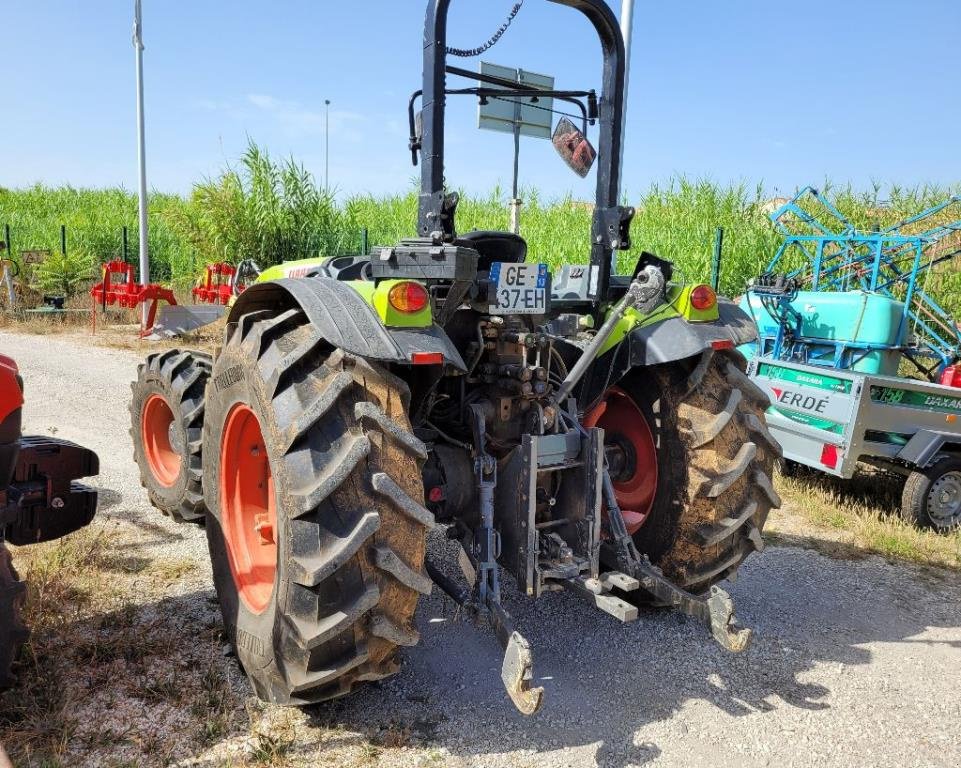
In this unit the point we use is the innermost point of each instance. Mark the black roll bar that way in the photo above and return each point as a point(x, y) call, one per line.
point(611, 225)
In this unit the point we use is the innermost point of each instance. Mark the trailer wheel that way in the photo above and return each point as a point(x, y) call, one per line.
point(167, 414)
point(695, 478)
point(13, 633)
point(316, 525)
point(932, 496)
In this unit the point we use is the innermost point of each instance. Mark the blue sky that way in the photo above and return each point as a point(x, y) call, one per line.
point(746, 90)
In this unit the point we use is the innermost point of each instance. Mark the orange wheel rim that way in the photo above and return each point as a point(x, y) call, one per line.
point(248, 508)
point(626, 429)
point(155, 422)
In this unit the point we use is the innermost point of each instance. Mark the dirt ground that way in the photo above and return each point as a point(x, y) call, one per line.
point(855, 661)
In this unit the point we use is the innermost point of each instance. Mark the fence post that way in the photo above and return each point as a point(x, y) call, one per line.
point(63, 239)
point(363, 241)
point(716, 260)
point(124, 245)
point(7, 277)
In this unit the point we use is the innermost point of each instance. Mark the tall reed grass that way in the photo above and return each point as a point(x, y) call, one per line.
point(273, 211)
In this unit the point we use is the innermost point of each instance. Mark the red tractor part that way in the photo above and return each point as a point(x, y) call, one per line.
point(11, 391)
point(39, 501)
point(128, 294)
point(249, 508)
point(632, 454)
point(218, 284)
point(161, 457)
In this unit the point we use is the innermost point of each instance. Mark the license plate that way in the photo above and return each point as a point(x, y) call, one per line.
point(519, 289)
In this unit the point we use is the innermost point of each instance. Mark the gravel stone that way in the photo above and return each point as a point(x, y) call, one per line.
point(854, 663)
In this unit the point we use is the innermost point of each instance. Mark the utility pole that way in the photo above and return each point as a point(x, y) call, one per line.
point(327, 146)
point(141, 153)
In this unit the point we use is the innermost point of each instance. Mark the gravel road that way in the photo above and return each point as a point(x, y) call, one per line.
point(854, 663)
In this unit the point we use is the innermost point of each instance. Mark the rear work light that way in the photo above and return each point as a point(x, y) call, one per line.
point(408, 297)
point(703, 297)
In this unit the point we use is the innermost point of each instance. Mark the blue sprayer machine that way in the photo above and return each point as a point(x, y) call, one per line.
point(844, 327)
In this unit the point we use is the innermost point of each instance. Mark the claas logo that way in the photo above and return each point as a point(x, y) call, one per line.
point(797, 400)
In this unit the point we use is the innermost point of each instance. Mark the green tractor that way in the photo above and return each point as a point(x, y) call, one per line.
point(581, 431)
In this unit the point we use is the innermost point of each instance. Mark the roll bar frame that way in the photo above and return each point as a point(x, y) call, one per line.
point(610, 229)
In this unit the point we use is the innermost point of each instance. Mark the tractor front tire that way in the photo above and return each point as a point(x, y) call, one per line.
point(167, 416)
point(13, 632)
point(714, 466)
point(316, 519)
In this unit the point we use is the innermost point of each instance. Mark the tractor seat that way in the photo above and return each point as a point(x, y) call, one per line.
point(495, 246)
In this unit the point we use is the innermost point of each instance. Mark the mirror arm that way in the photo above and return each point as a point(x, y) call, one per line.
point(415, 141)
point(592, 110)
point(571, 97)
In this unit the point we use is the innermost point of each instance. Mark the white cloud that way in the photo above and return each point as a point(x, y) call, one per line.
point(263, 101)
point(300, 120)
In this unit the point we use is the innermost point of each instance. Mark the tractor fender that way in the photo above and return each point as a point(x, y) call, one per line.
point(677, 339)
point(927, 445)
point(666, 341)
point(346, 320)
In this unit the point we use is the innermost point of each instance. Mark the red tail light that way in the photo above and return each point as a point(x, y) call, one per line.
point(427, 358)
point(408, 297)
point(703, 297)
point(829, 456)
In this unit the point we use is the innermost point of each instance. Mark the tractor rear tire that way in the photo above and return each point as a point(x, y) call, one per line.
point(715, 462)
point(316, 523)
point(167, 416)
point(13, 632)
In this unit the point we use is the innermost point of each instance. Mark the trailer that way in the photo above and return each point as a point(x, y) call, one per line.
point(832, 420)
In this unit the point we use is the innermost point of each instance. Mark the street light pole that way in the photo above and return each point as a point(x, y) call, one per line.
point(327, 145)
point(141, 153)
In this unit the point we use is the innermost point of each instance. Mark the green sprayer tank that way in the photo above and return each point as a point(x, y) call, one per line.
point(850, 316)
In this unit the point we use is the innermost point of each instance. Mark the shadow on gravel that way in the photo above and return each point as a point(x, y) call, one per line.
point(607, 684)
point(107, 498)
point(606, 681)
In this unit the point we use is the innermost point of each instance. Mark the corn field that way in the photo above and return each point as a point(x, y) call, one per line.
point(273, 211)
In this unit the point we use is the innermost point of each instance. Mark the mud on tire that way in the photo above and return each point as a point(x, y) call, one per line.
point(13, 633)
point(349, 523)
point(715, 465)
point(167, 414)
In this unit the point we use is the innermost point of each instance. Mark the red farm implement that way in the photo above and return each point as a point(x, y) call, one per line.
point(218, 285)
point(117, 288)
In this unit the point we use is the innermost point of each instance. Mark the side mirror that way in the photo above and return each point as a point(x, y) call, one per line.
point(573, 147)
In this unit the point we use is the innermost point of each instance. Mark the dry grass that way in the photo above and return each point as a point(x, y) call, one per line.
point(111, 669)
point(118, 329)
point(856, 517)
